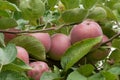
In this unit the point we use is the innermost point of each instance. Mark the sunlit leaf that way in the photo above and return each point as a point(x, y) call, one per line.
point(10, 75)
point(74, 15)
point(17, 65)
point(49, 76)
point(89, 3)
point(77, 51)
point(6, 23)
point(70, 4)
point(8, 54)
point(76, 76)
point(5, 5)
point(34, 47)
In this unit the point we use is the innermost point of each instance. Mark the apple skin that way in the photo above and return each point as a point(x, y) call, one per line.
point(59, 44)
point(104, 39)
point(44, 38)
point(38, 68)
point(22, 54)
point(9, 36)
point(84, 30)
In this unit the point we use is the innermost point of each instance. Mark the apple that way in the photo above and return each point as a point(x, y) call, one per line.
point(9, 36)
point(38, 68)
point(44, 38)
point(59, 44)
point(22, 54)
point(104, 39)
point(84, 30)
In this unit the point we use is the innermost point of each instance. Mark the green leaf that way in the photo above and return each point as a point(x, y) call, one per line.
point(49, 76)
point(97, 76)
point(2, 39)
point(89, 3)
point(115, 70)
point(97, 14)
point(110, 14)
point(34, 47)
point(74, 15)
point(4, 13)
point(108, 75)
point(8, 54)
point(108, 31)
point(116, 43)
point(32, 9)
point(5, 5)
point(76, 76)
point(17, 65)
point(111, 3)
point(10, 75)
point(115, 55)
point(70, 4)
point(52, 3)
point(77, 51)
point(56, 69)
point(86, 70)
point(6, 23)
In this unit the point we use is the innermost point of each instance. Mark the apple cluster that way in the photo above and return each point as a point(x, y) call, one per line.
point(57, 44)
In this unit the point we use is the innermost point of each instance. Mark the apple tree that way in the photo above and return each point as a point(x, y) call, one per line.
point(59, 39)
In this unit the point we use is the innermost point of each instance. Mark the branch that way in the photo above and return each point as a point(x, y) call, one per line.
point(32, 31)
point(113, 37)
point(37, 31)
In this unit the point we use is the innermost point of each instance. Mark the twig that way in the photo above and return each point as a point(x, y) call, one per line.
point(116, 35)
point(36, 31)
point(32, 31)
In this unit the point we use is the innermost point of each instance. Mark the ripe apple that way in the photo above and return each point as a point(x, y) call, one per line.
point(44, 38)
point(104, 39)
point(38, 68)
point(59, 44)
point(22, 54)
point(84, 30)
point(9, 36)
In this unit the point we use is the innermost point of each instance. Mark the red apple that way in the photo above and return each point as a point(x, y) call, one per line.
point(84, 30)
point(44, 38)
point(59, 44)
point(104, 39)
point(38, 68)
point(9, 36)
point(22, 54)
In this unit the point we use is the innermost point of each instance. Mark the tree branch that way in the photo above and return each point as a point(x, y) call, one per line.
point(32, 31)
point(113, 37)
point(37, 31)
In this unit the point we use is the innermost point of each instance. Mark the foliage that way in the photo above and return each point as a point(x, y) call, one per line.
point(59, 16)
